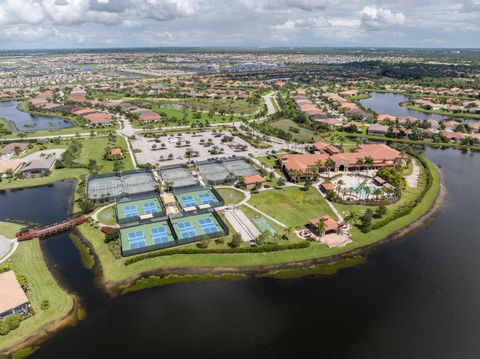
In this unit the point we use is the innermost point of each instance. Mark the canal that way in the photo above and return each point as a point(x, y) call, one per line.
point(417, 297)
point(26, 122)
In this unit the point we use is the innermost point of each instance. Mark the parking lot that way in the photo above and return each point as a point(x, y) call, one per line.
point(152, 155)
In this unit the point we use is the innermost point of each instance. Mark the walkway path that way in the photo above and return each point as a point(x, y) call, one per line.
point(7, 248)
point(412, 179)
point(283, 225)
point(95, 214)
point(332, 207)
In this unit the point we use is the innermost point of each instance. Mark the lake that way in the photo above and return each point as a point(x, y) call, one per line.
point(418, 297)
point(389, 104)
point(24, 121)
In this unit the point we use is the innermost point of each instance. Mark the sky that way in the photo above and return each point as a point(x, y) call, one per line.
point(48, 24)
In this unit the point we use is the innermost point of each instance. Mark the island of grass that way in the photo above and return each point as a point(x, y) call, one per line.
point(28, 260)
point(292, 206)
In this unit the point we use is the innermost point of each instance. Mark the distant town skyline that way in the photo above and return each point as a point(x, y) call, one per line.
point(50, 24)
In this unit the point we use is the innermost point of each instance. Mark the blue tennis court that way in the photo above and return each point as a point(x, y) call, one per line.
point(207, 226)
point(188, 201)
point(206, 198)
point(186, 230)
point(130, 211)
point(149, 208)
point(136, 239)
point(159, 235)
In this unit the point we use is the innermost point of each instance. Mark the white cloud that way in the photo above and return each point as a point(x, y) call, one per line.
point(377, 18)
point(305, 5)
point(317, 22)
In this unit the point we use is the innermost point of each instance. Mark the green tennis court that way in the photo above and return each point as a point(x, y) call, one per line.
point(197, 198)
point(196, 226)
point(139, 238)
point(140, 207)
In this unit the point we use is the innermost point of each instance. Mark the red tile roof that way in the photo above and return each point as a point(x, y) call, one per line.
point(249, 180)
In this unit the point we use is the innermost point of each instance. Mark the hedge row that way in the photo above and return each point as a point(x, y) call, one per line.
point(272, 247)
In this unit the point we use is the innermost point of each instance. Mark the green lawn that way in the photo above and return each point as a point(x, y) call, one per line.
point(28, 260)
point(291, 205)
point(94, 148)
point(442, 113)
point(56, 175)
point(304, 134)
point(108, 216)
point(251, 214)
point(230, 195)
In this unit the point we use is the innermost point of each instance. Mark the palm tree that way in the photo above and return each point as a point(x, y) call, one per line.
point(378, 193)
point(288, 231)
point(351, 217)
point(319, 166)
point(369, 162)
point(329, 164)
point(360, 164)
point(321, 227)
point(189, 155)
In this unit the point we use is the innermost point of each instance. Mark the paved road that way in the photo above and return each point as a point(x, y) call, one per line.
point(412, 179)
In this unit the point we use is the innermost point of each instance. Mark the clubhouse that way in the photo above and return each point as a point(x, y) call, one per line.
point(305, 166)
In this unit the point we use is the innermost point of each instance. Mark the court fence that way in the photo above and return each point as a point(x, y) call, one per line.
point(176, 240)
point(220, 201)
point(138, 197)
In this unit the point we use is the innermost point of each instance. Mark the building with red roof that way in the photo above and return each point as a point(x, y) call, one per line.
point(99, 118)
point(307, 165)
point(331, 226)
point(252, 181)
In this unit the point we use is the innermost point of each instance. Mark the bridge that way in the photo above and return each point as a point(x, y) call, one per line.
point(51, 230)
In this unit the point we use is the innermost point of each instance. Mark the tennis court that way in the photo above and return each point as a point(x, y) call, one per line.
point(196, 226)
point(139, 207)
point(197, 197)
point(118, 184)
point(216, 172)
point(146, 237)
point(262, 225)
point(179, 176)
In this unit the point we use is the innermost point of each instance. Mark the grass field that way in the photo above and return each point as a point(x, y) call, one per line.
point(94, 148)
point(442, 113)
point(57, 175)
point(108, 216)
point(304, 135)
point(230, 195)
point(206, 105)
point(291, 205)
point(28, 260)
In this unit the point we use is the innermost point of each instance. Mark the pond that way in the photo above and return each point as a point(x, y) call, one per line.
point(389, 104)
point(26, 122)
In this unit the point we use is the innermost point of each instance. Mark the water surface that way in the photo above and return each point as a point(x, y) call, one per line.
point(418, 297)
point(24, 121)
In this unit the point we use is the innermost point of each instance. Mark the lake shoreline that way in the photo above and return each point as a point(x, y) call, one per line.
point(115, 288)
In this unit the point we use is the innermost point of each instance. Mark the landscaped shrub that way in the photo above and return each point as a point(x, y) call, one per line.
point(4, 328)
point(13, 321)
point(271, 247)
point(408, 208)
point(45, 305)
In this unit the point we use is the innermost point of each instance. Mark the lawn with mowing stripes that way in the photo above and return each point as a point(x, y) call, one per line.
point(28, 260)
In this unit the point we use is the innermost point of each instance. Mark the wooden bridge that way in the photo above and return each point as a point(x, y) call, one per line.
point(51, 230)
